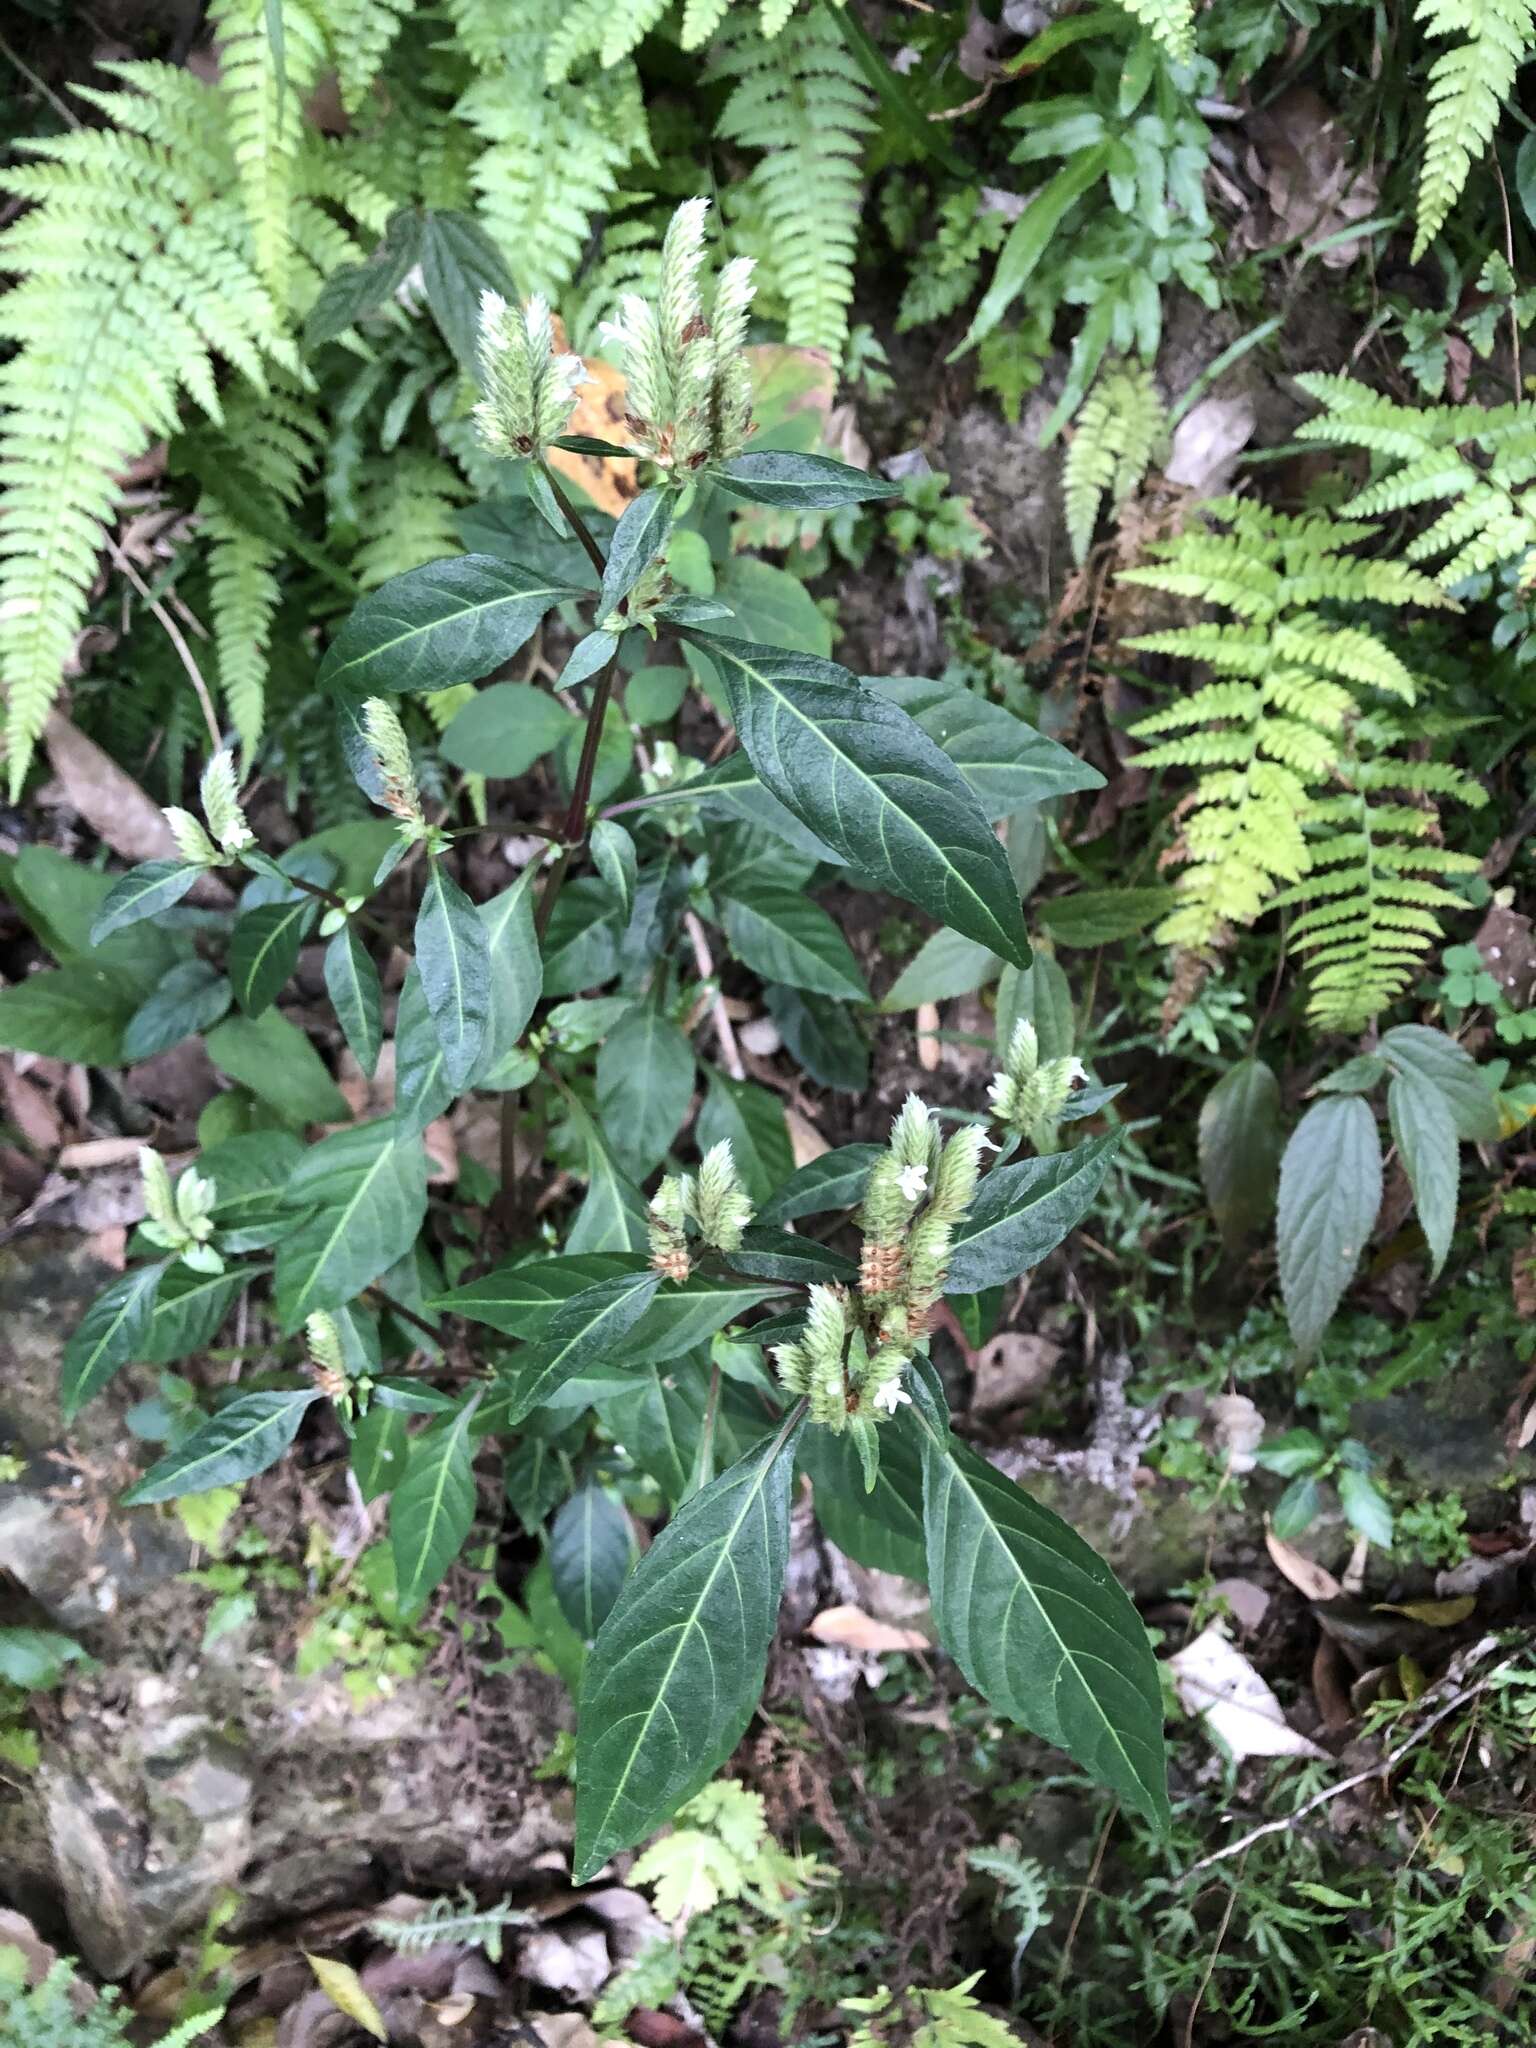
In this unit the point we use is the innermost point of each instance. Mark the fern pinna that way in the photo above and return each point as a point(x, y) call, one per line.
point(1468, 86)
point(1306, 792)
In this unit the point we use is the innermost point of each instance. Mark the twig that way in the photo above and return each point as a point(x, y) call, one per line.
point(176, 637)
point(1384, 1769)
point(37, 84)
point(1088, 1884)
point(1210, 1967)
point(1509, 255)
point(730, 1052)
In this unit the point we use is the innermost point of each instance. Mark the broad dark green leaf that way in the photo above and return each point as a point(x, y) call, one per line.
point(613, 851)
point(246, 1436)
point(1038, 1623)
point(459, 261)
point(949, 964)
point(520, 1297)
point(379, 1445)
point(644, 1087)
point(1097, 917)
point(250, 1176)
point(753, 1121)
point(821, 1036)
point(1330, 1191)
point(1424, 1131)
point(834, 1181)
point(61, 898)
point(1008, 763)
point(769, 1252)
point(1040, 994)
point(1240, 1144)
point(1365, 1506)
point(264, 950)
point(517, 978)
point(352, 983)
point(422, 1087)
point(191, 998)
point(678, 1666)
point(581, 944)
point(433, 1507)
point(783, 936)
point(799, 482)
point(871, 783)
point(450, 622)
point(659, 1419)
point(883, 1529)
point(366, 1190)
point(358, 289)
point(1023, 1211)
point(1356, 1077)
point(189, 1308)
point(581, 1332)
point(1437, 1058)
point(111, 1333)
point(454, 961)
point(504, 729)
point(637, 540)
point(271, 1056)
point(591, 1548)
point(153, 885)
point(534, 1477)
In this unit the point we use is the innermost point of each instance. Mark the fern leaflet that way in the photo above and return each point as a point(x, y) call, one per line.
point(1118, 429)
point(1467, 89)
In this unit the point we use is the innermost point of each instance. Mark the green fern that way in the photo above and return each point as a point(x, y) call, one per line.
point(1480, 463)
point(263, 90)
point(1291, 718)
point(801, 99)
point(407, 505)
point(1117, 431)
point(360, 34)
point(610, 29)
point(1467, 89)
point(460, 1922)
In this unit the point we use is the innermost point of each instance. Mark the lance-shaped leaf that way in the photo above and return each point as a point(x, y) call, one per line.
point(245, 1437)
point(1240, 1148)
point(112, 1332)
point(612, 1218)
point(591, 1548)
point(678, 1666)
point(1038, 1623)
point(189, 1307)
point(433, 1506)
point(883, 1528)
point(352, 983)
point(1424, 1128)
point(644, 1087)
point(1330, 1191)
point(1022, 1212)
point(834, 1181)
point(153, 885)
point(582, 1330)
point(454, 961)
point(264, 950)
point(450, 622)
point(801, 483)
point(768, 1252)
point(517, 977)
point(422, 1087)
point(1005, 761)
point(367, 1189)
point(637, 539)
point(613, 853)
point(191, 999)
point(781, 935)
point(869, 781)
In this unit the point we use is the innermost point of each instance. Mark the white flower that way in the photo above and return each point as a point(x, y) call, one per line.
point(912, 1180)
point(998, 1087)
point(1076, 1072)
point(891, 1396)
point(989, 1144)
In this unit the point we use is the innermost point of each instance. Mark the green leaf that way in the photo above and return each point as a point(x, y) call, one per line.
point(783, 936)
point(191, 998)
point(659, 1419)
point(535, 1479)
point(79, 1012)
point(271, 1056)
point(433, 1507)
point(459, 261)
point(1297, 1508)
point(366, 1187)
point(355, 290)
point(1525, 177)
point(246, 1436)
point(581, 1331)
point(352, 983)
point(1038, 1624)
point(612, 1218)
point(678, 1666)
point(821, 1037)
point(1022, 1212)
point(453, 959)
point(1365, 1507)
point(250, 1175)
point(883, 1529)
point(1424, 1131)
point(152, 886)
point(1240, 1148)
point(519, 1298)
point(34, 1659)
point(379, 1446)
point(188, 1309)
point(799, 482)
point(110, 1334)
point(871, 783)
point(1437, 1058)
point(644, 1087)
point(1031, 235)
point(504, 729)
point(449, 622)
point(637, 539)
point(1330, 1191)
point(753, 1121)
point(1356, 1077)
point(581, 943)
point(1097, 917)
point(1039, 993)
point(1297, 1450)
point(613, 851)
point(591, 1548)
point(517, 977)
point(948, 965)
point(61, 898)
point(422, 1088)
point(834, 1181)
point(264, 950)
point(1007, 763)
point(772, 1253)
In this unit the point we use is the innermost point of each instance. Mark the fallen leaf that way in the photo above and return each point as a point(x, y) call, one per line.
point(113, 804)
point(1247, 1602)
point(1207, 443)
point(1216, 1683)
point(1239, 1430)
point(805, 1141)
point(1309, 1579)
point(343, 1987)
point(1436, 1613)
point(928, 1047)
point(850, 1628)
point(600, 409)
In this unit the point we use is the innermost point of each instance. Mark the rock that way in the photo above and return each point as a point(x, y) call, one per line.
point(80, 1566)
point(1012, 1369)
point(572, 1959)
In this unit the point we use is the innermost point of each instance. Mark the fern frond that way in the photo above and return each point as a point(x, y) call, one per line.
point(800, 98)
point(454, 1923)
point(1169, 22)
point(407, 503)
point(1120, 424)
point(1467, 89)
point(263, 92)
point(360, 34)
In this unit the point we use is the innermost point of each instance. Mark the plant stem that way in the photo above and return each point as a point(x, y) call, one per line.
point(323, 895)
point(577, 524)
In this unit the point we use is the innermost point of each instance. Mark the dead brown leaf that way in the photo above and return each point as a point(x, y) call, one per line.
point(113, 804)
point(1309, 1579)
point(600, 409)
point(928, 1047)
point(850, 1628)
point(1434, 1613)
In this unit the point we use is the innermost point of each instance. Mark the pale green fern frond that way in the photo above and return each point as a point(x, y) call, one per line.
point(407, 504)
point(360, 34)
point(263, 93)
point(460, 1922)
point(800, 98)
point(1467, 89)
point(1120, 424)
point(1169, 22)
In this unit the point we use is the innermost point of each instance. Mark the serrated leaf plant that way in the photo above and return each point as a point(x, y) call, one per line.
point(693, 1344)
